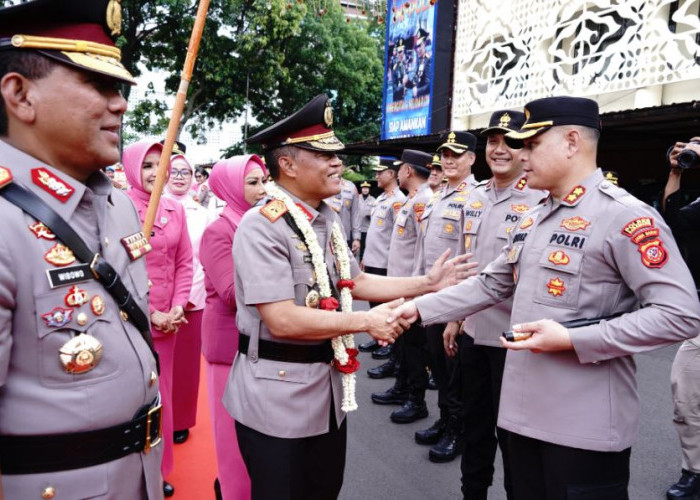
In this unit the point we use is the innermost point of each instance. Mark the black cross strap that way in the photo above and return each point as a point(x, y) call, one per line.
point(101, 269)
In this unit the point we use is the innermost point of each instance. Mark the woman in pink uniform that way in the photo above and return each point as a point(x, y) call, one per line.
point(239, 182)
point(188, 345)
point(169, 266)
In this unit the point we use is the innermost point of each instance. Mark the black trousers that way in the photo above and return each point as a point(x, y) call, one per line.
point(363, 241)
point(414, 358)
point(375, 270)
point(481, 369)
point(546, 471)
point(445, 372)
point(308, 468)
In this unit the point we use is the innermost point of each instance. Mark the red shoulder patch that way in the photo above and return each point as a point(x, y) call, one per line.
point(52, 184)
point(397, 206)
point(522, 182)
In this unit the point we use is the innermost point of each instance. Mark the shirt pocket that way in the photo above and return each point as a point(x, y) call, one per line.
point(449, 229)
point(58, 323)
point(559, 277)
point(282, 372)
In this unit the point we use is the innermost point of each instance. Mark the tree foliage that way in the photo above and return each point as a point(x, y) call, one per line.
point(282, 48)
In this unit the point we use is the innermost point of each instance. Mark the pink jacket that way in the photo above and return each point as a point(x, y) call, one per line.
point(169, 264)
point(219, 332)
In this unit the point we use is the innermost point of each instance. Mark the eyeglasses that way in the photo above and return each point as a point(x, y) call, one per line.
point(181, 173)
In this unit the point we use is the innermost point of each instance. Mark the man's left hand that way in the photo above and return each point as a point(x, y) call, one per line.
point(546, 336)
point(355, 248)
point(446, 273)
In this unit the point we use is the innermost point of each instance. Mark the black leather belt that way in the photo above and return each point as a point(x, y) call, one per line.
point(76, 450)
point(291, 353)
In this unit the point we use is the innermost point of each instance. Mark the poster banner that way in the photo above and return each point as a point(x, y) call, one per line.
point(409, 67)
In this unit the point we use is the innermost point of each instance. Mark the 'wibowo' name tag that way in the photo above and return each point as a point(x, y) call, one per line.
point(69, 275)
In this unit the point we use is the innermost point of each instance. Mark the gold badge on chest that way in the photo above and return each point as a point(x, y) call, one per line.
point(80, 354)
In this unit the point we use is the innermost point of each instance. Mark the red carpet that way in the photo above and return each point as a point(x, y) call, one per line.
point(195, 459)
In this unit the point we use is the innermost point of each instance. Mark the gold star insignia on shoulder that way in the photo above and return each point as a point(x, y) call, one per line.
point(273, 210)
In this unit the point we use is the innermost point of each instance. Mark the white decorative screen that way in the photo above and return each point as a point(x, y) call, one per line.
point(509, 52)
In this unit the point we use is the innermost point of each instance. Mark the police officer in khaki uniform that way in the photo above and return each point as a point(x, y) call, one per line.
point(411, 381)
point(367, 203)
point(590, 252)
point(375, 260)
point(286, 389)
point(347, 205)
point(79, 410)
point(492, 208)
point(436, 175)
point(440, 230)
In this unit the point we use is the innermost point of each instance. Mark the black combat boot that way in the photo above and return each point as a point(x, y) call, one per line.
point(383, 352)
point(432, 434)
point(388, 369)
point(370, 346)
point(687, 487)
point(451, 443)
point(413, 409)
point(397, 395)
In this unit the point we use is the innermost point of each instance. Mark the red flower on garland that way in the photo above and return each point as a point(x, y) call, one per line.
point(329, 304)
point(351, 366)
point(346, 284)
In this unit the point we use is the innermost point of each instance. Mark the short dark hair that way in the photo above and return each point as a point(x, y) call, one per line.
point(420, 172)
point(201, 171)
point(272, 159)
point(29, 64)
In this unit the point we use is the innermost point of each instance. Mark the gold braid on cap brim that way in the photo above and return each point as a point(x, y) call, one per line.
point(326, 141)
point(64, 45)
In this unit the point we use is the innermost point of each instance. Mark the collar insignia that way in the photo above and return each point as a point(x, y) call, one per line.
point(574, 195)
point(41, 231)
point(521, 184)
point(52, 184)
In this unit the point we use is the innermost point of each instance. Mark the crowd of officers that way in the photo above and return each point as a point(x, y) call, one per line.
point(577, 272)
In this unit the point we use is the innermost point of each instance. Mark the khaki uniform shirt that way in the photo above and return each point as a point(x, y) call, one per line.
point(281, 399)
point(36, 395)
point(440, 225)
point(347, 205)
point(379, 233)
point(366, 207)
point(489, 216)
point(598, 252)
point(402, 249)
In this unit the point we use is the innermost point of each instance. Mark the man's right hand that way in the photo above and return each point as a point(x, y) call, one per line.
point(673, 154)
point(449, 338)
point(381, 328)
point(407, 311)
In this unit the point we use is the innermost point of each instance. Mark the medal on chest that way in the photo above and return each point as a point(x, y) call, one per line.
point(80, 354)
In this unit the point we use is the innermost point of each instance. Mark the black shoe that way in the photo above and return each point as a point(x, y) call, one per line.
point(168, 489)
point(411, 411)
point(382, 352)
point(217, 489)
point(393, 396)
point(388, 369)
point(368, 346)
point(432, 385)
point(687, 487)
point(180, 437)
point(451, 443)
point(432, 434)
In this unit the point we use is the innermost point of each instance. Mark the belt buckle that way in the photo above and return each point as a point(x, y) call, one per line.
point(95, 259)
point(149, 420)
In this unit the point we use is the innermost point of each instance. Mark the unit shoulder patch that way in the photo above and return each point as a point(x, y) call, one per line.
point(273, 210)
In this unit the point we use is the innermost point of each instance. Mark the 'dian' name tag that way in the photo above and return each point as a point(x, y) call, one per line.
point(136, 245)
point(69, 275)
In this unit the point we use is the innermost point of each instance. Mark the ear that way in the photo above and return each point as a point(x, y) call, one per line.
point(287, 166)
point(17, 93)
point(573, 142)
point(472, 158)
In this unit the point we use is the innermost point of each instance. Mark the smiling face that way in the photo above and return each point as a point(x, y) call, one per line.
point(77, 119)
point(311, 175)
point(504, 162)
point(435, 178)
point(180, 176)
point(456, 167)
point(149, 168)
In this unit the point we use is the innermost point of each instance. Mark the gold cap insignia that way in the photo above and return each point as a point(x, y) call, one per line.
point(451, 137)
point(504, 120)
point(114, 17)
point(328, 115)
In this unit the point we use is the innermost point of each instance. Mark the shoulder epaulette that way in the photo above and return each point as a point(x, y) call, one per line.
point(273, 210)
point(5, 177)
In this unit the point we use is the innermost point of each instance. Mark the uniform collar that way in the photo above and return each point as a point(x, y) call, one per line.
point(323, 209)
point(59, 190)
point(465, 183)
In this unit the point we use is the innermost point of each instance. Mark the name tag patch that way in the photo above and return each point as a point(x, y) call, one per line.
point(68, 275)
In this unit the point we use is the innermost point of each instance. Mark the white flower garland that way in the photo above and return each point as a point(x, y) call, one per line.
point(340, 343)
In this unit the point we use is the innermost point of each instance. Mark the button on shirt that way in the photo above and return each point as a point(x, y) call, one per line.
point(597, 252)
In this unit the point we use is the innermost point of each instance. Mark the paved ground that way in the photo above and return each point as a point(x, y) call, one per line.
point(385, 463)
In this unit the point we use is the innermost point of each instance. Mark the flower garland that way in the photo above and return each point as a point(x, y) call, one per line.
point(344, 352)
